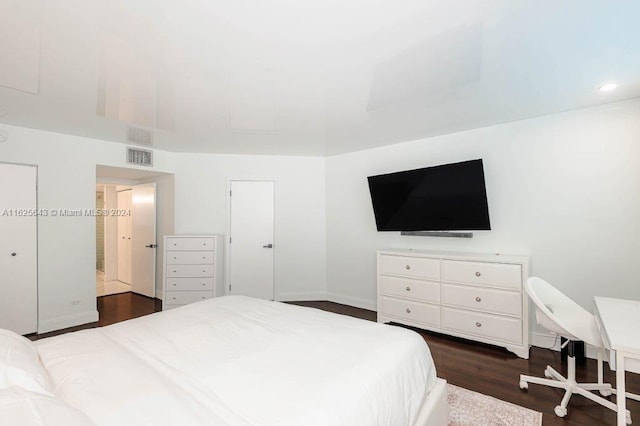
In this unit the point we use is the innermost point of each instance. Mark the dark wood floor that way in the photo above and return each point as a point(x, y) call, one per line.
point(482, 368)
point(112, 309)
point(496, 372)
point(119, 307)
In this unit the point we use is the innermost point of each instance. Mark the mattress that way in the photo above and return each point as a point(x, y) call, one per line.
point(235, 360)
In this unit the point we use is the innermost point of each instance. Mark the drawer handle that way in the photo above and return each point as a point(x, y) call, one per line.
point(478, 324)
point(204, 284)
point(478, 299)
point(408, 267)
point(408, 288)
point(174, 270)
point(174, 298)
point(204, 270)
point(408, 310)
point(174, 258)
point(478, 274)
point(174, 285)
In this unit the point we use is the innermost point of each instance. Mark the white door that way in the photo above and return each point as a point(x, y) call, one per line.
point(124, 237)
point(143, 239)
point(18, 249)
point(251, 245)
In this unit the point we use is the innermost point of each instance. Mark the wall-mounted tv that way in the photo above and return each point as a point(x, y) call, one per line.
point(449, 197)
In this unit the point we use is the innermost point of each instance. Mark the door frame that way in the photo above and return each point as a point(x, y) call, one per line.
point(227, 244)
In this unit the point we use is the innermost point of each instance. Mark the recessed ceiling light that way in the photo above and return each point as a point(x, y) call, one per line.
point(608, 87)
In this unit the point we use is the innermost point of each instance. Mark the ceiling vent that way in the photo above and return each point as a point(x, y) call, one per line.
point(140, 157)
point(140, 136)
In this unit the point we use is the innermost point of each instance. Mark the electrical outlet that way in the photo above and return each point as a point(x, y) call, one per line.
point(75, 302)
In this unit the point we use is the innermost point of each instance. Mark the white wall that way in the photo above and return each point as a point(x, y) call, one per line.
point(561, 188)
point(66, 245)
point(300, 237)
point(564, 189)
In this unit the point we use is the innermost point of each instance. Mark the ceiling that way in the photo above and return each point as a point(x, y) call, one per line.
point(313, 77)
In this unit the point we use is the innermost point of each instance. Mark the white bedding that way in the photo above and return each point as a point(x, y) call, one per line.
point(240, 361)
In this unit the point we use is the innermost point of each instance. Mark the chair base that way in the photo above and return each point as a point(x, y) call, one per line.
point(569, 384)
point(630, 395)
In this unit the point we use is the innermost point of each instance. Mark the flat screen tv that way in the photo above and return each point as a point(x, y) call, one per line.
point(449, 197)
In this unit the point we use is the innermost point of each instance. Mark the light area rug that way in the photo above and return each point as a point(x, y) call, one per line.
point(469, 408)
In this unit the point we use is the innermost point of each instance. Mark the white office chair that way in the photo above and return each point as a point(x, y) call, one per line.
point(562, 316)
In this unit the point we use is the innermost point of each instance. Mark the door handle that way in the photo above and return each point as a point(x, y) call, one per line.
point(268, 246)
point(151, 245)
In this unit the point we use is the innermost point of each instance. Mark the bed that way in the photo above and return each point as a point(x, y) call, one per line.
point(230, 360)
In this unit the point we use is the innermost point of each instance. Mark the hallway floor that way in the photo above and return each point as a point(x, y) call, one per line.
point(106, 288)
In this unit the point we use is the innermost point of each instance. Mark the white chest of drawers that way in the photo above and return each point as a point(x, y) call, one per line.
point(191, 269)
point(475, 296)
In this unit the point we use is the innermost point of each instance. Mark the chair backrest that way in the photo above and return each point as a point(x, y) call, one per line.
point(561, 315)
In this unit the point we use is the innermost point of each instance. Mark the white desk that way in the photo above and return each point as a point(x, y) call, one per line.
point(618, 321)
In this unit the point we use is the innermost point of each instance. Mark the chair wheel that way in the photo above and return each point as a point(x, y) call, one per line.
point(628, 418)
point(605, 393)
point(547, 373)
point(524, 385)
point(560, 411)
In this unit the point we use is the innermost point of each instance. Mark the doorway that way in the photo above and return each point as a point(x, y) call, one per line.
point(134, 217)
point(110, 276)
point(137, 208)
point(251, 243)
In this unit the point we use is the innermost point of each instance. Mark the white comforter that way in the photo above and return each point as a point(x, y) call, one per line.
point(240, 361)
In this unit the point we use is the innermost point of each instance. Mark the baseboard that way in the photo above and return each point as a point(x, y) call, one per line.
point(67, 321)
point(300, 296)
point(549, 341)
point(352, 301)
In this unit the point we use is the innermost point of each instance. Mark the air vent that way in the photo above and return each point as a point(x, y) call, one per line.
point(139, 136)
point(140, 157)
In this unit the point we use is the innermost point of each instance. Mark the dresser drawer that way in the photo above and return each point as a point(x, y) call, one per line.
point(490, 274)
point(428, 291)
point(483, 299)
point(414, 267)
point(189, 257)
point(190, 243)
point(205, 283)
point(189, 270)
point(414, 311)
point(485, 325)
point(185, 297)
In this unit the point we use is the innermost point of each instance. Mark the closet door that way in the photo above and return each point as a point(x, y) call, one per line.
point(124, 238)
point(18, 249)
point(251, 247)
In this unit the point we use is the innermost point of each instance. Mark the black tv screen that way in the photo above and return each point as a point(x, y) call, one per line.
point(450, 197)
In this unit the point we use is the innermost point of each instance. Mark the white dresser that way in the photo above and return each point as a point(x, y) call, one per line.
point(192, 265)
point(476, 296)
